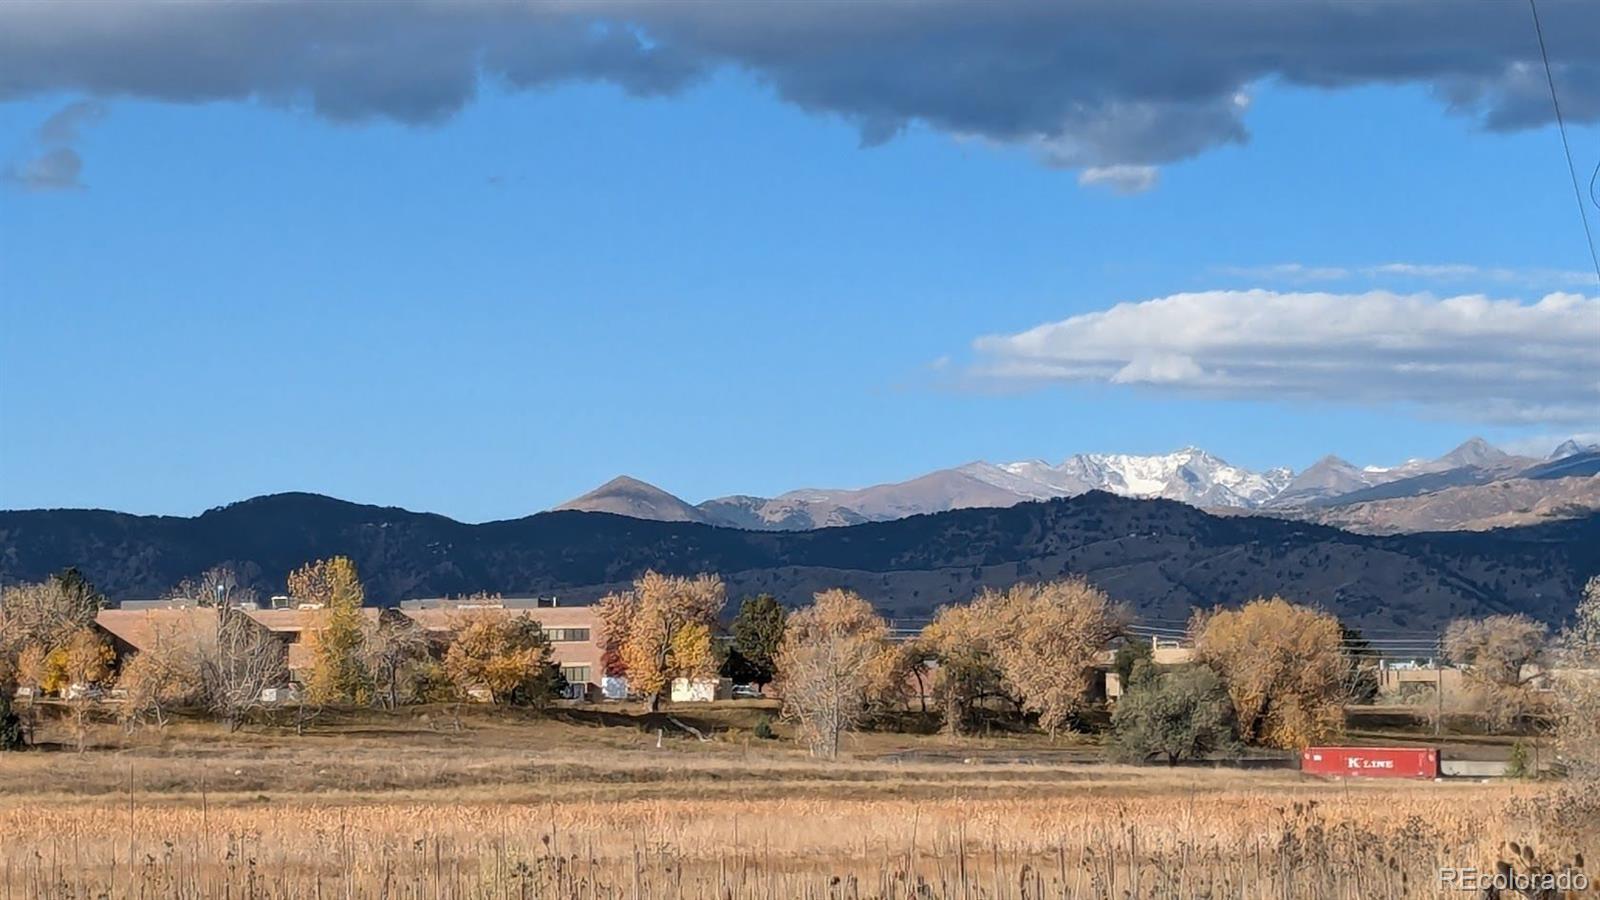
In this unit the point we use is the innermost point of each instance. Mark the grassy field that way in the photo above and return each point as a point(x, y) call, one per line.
point(591, 805)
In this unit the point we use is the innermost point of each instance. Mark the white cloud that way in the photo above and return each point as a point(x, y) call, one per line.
point(1122, 179)
point(1457, 273)
point(1468, 356)
point(1541, 445)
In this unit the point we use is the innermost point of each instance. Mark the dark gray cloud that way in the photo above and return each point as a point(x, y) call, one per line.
point(1085, 84)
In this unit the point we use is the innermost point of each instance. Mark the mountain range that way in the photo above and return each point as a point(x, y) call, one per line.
point(1371, 498)
point(1161, 558)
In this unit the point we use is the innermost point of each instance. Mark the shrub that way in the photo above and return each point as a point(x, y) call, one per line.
point(1519, 764)
point(1184, 713)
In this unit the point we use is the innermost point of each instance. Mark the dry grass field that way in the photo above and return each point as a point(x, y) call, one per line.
point(507, 806)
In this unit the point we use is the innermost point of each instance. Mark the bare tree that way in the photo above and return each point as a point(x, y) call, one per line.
point(216, 586)
point(237, 662)
point(46, 614)
point(165, 674)
point(1578, 695)
point(834, 656)
point(392, 647)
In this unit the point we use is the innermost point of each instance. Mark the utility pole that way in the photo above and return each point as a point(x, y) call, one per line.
point(1438, 690)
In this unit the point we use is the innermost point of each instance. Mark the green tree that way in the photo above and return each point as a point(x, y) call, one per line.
point(11, 733)
point(1177, 714)
point(1362, 679)
point(757, 634)
point(1128, 656)
point(82, 593)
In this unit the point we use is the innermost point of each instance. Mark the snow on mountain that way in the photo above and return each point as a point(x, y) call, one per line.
point(1571, 447)
point(1190, 475)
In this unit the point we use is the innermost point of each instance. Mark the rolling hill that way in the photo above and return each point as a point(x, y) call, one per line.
point(1162, 558)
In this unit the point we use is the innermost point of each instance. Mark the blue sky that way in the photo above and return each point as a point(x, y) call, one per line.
point(715, 291)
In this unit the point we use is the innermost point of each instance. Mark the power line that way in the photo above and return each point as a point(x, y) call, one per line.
point(1561, 125)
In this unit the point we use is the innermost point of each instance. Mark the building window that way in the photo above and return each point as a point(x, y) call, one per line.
point(566, 635)
point(575, 674)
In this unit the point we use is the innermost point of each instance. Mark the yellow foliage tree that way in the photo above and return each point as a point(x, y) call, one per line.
point(1283, 666)
point(662, 629)
point(507, 655)
point(338, 674)
point(1047, 638)
point(83, 662)
point(960, 639)
point(1034, 645)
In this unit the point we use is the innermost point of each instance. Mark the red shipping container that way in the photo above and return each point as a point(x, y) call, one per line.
point(1371, 762)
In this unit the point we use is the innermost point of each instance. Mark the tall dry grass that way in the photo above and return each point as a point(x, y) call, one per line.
point(1368, 844)
point(570, 812)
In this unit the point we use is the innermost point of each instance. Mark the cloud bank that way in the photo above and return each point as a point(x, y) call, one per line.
point(1094, 85)
point(1493, 361)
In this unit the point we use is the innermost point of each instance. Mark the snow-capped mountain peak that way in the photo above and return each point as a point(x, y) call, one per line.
point(1189, 474)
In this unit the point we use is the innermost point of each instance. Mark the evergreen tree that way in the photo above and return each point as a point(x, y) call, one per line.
point(757, 634)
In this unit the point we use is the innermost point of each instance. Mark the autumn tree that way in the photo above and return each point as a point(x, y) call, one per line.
point(661, 629)
point(834, 657)
point(1034, 643)
point(614, 615)
point(757, 635)
point(1495, 654)
point(237, 661)
point(394, 651)
point(337, 671)
point(1048, 637)
point(509, 656)
point(1283, 666)
point(76, 670)
point(1171, 714)
point(1578, 696)
point(965, 673)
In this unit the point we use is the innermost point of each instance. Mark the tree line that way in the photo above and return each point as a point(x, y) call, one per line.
point(222, 662)
point(1270, 673)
